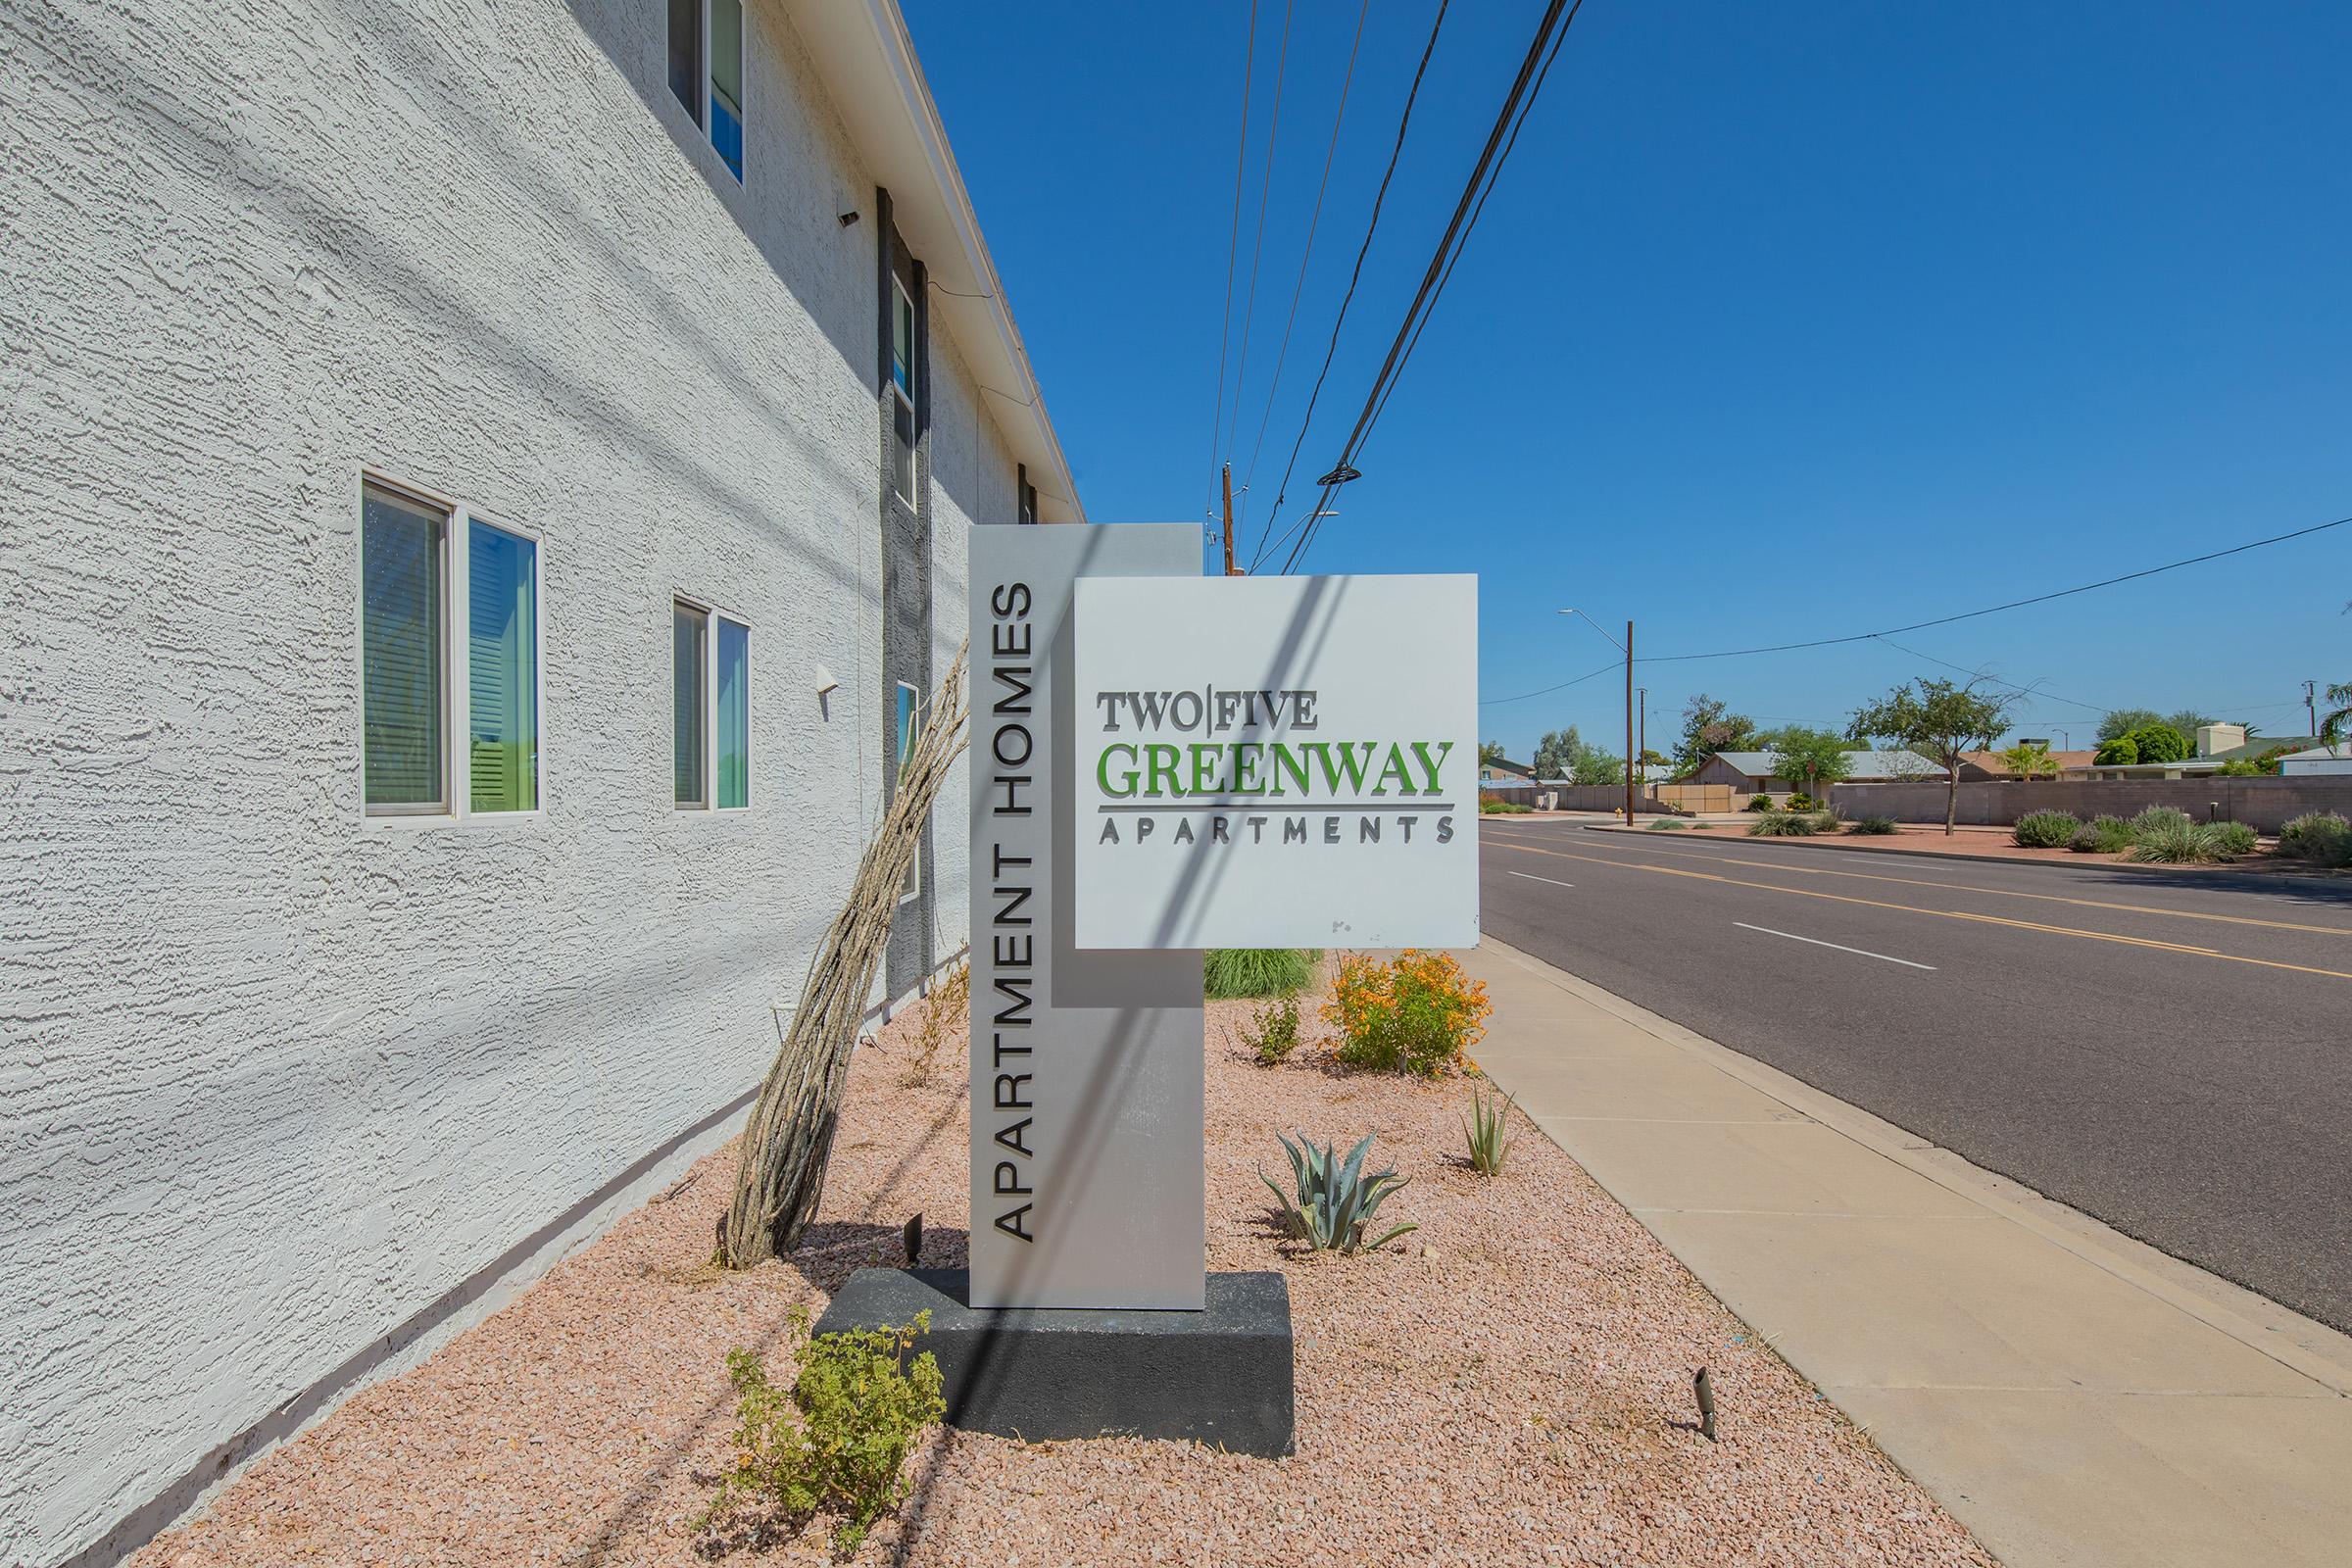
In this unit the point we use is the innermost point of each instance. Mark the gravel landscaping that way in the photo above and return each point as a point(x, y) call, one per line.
point(1509, 1383)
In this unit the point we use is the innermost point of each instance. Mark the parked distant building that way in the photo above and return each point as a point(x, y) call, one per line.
point(2318, 759)
point(2216, 745)
point(1504, 771)
point(1751, 772)
point(1979, 768)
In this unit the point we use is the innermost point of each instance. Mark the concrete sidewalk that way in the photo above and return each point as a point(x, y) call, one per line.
point(2073, 1397)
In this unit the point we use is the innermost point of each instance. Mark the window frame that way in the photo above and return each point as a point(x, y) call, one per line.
point(706, 58)
point(906, 397)
point(903, 738)
point(712, 614)
point(455, 809)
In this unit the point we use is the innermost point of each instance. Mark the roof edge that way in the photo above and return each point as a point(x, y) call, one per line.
point(866, 57)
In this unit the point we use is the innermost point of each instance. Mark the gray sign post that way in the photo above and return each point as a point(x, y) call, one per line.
point(1086, 1064)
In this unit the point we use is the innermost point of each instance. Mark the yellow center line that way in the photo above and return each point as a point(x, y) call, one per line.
point(1948, 914)
point(1999, 892)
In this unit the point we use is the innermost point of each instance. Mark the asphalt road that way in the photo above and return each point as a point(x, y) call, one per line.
point(2169, 1053)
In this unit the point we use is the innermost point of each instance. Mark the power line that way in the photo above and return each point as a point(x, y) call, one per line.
point(1314, 221)
point(1372, 227)
point(1980, 673)
point(2014, 604)
point(1258, 247)
point(1457, 233)
point(1233, 246)
point(1497, 702)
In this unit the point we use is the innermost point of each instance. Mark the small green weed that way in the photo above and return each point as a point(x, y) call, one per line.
point(1489, 1115)
point(1273, 1033)
point(838, 1439)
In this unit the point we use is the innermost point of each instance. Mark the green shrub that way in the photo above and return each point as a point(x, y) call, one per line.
point(1416, 1012)
point(2321, 837)
point(1489, 1115)
point(1230, 972)
point(2159, 819)
point(2045, 830)
point(1873, 825)
point(1274, 1032)
point(2182, 842)
point(1823, 819)
point(2161, 743)
point(1758, 803)
point(1782, 826)
point(1334, 1201)
point(2102, 835)
point(1667, 824)
point(2121, 751)
point(1799, 801)
point(2234, 838)
point(836, 1442)
point(1489, 806)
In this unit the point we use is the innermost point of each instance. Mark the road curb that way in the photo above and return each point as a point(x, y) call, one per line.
point(2298, 1342)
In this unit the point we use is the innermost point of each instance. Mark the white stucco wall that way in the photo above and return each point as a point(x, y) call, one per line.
point(273, 1078)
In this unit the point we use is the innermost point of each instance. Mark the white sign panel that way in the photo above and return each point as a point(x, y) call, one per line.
point(1276, 762)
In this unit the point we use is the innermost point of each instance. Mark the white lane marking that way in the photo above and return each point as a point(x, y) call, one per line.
point(1817, 941)
point(1544, 879)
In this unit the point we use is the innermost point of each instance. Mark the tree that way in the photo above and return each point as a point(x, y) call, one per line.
point(2121, 751)
point(1556, 754)
point(2160, 743)
point(1941, 719)
point(2029, 761)
point(2336, 722)
point(1489, 752)
point(1592, 765)
point(2189, 721)
point(1710, 726)
point(1811, 757)
point(2124, 720)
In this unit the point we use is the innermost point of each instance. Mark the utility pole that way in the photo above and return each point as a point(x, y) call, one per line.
point(1629, 754)
point(1229, 572)
point(2310, 710)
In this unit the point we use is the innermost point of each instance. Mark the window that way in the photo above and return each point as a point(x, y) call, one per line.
point(710, 709)
point(710, 32)
point(902, 391)
point(402, 558)
point(414, 666)
point(910, 726)
point(1028, 502)
point(502, 670)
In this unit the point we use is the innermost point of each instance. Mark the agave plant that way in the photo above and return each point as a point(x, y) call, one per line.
point(1489, 1114)
point(1334, 1200)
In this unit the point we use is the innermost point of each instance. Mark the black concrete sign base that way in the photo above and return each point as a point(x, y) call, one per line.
point(1221, 1377)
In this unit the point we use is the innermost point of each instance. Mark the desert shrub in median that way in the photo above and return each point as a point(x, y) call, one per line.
point(2159, 819)
point(1230, 972)
point(1666, 825)
point(2101, 835)
point(2321, 837)
point(2234, 838)
point(2045, 830)
point(1782, 826)
point(1492, 806)
point(1873, 825)
point(1824, 820)
point(838, 1439)
point(1416, 1012)
point(2182, 842)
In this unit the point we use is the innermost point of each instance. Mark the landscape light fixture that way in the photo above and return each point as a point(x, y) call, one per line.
point(1339, 476)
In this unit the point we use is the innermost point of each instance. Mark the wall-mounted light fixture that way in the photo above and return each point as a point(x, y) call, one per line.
point(849, 217)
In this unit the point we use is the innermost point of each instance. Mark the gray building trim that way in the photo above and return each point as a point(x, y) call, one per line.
point(906, 618)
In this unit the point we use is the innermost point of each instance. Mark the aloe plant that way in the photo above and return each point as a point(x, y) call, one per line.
point(1490, 1115)
point(1335, 1200)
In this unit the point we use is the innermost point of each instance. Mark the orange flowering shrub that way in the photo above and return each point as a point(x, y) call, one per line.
point(1416, 1012)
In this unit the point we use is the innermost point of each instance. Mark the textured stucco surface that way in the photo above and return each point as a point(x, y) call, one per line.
point(274, 1078)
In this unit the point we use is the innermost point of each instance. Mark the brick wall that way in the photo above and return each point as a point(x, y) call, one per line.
point(2263, 803)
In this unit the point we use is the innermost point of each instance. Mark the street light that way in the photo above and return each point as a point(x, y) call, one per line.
point(1625, 647)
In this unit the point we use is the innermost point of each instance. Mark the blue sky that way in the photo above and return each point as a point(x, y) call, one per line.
point(1786, 322)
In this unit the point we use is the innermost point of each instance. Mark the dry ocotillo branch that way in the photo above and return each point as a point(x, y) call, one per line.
point(789, 1138)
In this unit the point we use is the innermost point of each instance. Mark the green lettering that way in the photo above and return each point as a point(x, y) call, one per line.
point(1245, 768)
point(1393, 769)
point(1102, 771)
point(1159, 761)
point(1430, 764)
point(1291, 762)
point(1349, 766)
point(1205, 759)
